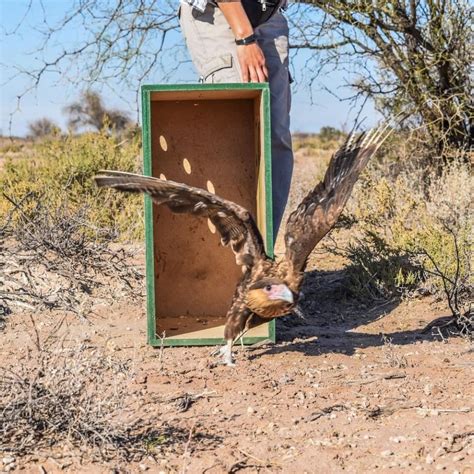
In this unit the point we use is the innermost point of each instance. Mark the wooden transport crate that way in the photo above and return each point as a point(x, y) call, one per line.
point(214, 136)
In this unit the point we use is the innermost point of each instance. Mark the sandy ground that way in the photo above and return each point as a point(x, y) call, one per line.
point(332, 395)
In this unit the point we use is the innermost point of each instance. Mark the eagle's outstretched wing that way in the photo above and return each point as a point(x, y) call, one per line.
point(320, 209)
point(234, 223)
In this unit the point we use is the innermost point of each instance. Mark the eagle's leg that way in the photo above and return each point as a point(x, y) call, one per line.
point(226, 353)
point(226, 350)
point(237, 325)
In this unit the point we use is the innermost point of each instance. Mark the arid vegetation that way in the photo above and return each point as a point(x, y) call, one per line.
point(412, 227)
point(376, 376)
point(72, 288)
point(57, 172)
point(416, 231)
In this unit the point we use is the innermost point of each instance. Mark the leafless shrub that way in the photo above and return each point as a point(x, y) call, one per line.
point(56, 259)
point(457, 287)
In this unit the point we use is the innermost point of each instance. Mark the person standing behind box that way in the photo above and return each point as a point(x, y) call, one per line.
point(227, 44)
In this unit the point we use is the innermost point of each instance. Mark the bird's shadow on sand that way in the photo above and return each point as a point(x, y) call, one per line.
point(330, 316)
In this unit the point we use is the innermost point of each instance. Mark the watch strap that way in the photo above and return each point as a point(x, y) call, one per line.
point(247, 40)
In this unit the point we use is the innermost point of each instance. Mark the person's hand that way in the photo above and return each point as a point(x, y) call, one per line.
point(252, 63)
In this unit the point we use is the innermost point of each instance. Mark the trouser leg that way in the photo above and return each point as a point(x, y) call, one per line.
point(273, 39)
point(212, 48)
point(210, 44)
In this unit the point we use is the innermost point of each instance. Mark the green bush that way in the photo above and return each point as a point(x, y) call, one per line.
point(59, 171)
point(410, 225)
point(328, 139)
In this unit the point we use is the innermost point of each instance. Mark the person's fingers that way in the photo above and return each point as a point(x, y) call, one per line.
point(265, 72)
point(261, 74)
point(245, 72)
point(253, 74)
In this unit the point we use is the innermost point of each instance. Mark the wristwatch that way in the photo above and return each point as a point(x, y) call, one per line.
point(247, 40)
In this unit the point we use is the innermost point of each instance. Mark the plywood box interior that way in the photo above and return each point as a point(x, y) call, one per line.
point(213, 139)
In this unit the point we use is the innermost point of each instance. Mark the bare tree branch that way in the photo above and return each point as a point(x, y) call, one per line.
point(414, 57)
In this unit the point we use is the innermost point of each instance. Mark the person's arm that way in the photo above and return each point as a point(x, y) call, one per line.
point(251, 58)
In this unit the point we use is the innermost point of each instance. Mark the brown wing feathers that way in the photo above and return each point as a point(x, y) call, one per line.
point(234, 223)
point(321, 208)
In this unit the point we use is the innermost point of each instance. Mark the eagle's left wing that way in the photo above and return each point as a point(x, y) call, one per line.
point(234, 223)
point(320, 209)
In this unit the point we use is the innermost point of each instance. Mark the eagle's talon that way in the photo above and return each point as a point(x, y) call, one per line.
point(216, 351)
point(226, 353)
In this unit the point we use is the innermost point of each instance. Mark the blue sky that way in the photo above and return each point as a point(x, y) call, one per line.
point(310, 111)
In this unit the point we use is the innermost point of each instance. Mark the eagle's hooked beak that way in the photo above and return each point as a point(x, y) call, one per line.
point(281, 292)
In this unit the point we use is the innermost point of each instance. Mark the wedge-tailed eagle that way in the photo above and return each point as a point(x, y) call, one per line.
point(268, 288)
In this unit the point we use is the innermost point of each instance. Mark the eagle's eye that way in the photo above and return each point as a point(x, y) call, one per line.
point(268, 288)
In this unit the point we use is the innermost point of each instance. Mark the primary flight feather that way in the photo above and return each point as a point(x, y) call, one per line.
point(268, 289)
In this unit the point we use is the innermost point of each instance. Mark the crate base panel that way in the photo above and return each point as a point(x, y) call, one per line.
point(185, 335)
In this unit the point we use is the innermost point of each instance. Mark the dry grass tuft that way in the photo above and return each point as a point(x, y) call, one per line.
point(393, 359)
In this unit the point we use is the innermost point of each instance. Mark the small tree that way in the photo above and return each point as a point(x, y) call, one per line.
point(42, 127)
point(90, 112)
point(328, 134)
point(413, 56)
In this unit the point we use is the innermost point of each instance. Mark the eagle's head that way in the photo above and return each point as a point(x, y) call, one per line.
point(269, 298)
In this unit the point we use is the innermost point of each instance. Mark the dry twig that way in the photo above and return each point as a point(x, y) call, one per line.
point(59, 260)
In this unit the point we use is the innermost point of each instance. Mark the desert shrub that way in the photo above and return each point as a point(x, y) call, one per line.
point(57, 259)
point(328, 134)
point(78, 400)
point(11, 148)
point(43, 127)
point(416, 229)
point(378, 270)
point(328, 138)
point(63, 167)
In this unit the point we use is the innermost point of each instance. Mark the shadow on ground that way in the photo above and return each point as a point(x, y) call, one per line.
point(331, 315)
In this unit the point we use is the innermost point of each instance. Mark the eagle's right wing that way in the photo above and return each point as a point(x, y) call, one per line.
point(321, 208)
point(234, 223)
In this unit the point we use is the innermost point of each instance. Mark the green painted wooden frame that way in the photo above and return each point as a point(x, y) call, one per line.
point(146, 91)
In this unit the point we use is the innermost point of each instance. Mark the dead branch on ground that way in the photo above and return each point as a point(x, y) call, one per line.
point(57, 259)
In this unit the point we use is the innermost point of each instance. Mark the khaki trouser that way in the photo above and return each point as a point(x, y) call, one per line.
point(214, 53)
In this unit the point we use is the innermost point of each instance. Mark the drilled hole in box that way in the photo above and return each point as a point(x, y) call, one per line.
point(210, 187)
point(187, 166)
point(163, 143)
